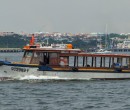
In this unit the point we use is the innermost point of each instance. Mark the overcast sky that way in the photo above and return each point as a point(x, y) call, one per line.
point(65, 15)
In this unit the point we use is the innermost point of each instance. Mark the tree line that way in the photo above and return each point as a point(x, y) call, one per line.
point(18, 41)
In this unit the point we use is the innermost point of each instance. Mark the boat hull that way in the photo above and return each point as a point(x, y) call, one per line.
point(16, 72)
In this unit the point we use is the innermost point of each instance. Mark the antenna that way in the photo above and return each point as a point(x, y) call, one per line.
point(47, 42)
point(106, 44)
point(100, 42)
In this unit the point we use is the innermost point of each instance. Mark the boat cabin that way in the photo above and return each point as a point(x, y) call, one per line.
point(74, 58)
point(48, 56)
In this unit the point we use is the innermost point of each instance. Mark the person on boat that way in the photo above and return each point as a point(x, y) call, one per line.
point(45, 61)
point(88, 65)
point(116, 65)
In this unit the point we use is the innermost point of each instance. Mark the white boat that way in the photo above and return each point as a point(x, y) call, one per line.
point(102, 51)
point(63, 62)
point(105, 49)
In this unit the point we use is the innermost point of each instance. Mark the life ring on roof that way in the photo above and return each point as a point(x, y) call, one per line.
point(69, 46)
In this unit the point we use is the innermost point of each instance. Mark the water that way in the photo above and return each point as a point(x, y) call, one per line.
point(63, 95)
point(11, 56)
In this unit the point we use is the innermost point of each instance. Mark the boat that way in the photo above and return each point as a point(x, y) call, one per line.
point(122, 47)
point(62, 61)
point(102, 51)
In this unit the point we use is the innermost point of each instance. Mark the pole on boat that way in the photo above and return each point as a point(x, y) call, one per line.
point(77, 60)
point(113, 61)
point(74, 61)
point(104, 61)
point(83, 61)
point(121, 61)
point(118, 60)
point(126, 60)
point(92, 62)
point(109, 62)
point(101, 62)
point(95, 62)
point(129, 62)
point(86, 61)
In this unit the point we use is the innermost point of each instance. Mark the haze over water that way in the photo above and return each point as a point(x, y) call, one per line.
point(65, 16)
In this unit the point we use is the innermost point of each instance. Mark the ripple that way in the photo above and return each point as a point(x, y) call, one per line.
point(62, 95)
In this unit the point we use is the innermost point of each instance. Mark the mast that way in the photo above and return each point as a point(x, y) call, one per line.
point(47, 42)
point(100, 42)
point(106, 43)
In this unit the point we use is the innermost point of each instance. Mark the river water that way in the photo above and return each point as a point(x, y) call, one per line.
point(63, 95)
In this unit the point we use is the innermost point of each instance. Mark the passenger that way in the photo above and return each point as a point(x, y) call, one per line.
point(88, 65)
point(46, 60)
point(118, 65)
point(41, 63)
point(113, 65)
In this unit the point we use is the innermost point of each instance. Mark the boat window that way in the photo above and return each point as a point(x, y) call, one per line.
point(36, 54)
point(28, 54)
point(36, 58)
point(71, 61)
point(53, 58)
point(41, 57)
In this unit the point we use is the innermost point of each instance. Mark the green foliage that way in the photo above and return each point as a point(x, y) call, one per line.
point(77, 43)
point(107, 39)
point(12, 41)
point(83, 45)
point(18, 41)
point(113, 35)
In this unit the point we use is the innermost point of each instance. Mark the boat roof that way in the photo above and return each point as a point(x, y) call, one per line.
point(75, 52)
point(53, 50)
point(66, 50)
point(95, 55)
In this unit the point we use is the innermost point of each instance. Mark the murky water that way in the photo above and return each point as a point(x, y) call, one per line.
point(63, 95)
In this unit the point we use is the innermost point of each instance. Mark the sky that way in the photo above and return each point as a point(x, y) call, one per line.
point(65, 16)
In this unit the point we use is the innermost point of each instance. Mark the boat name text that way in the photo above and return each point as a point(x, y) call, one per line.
point(19, 69)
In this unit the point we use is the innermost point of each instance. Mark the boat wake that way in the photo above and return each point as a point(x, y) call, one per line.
point(47, 78)
point(33, 77)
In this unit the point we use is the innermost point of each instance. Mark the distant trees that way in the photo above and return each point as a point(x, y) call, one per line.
point(18, 41)
point(78, 43)
point(12, 41)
